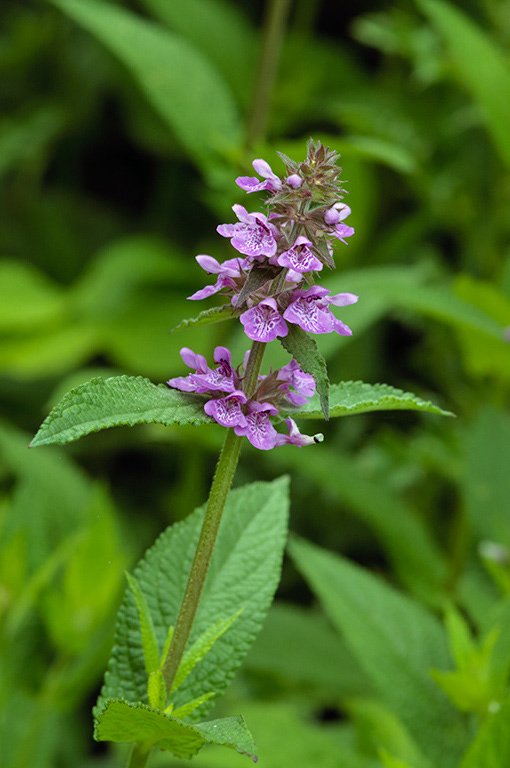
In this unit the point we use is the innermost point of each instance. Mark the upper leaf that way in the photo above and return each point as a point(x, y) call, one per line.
point(207, 317)
point(244, 572)
point(177, 79)
point(350, 397)
point(120, 720)
point(103, 403)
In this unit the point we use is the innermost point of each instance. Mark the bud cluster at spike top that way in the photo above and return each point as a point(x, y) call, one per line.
point(271, 286)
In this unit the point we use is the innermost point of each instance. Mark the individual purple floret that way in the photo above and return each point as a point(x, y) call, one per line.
point(258, 429)
point(337, 212)
point(294, 181)
point(227, 410)
point(303, 384)
point(254, 235)
point(227, 272)
point(295, 437)
point(300, 258)
point(264, 322)
point(251, 184)
point(222, 378)
point(309, 308)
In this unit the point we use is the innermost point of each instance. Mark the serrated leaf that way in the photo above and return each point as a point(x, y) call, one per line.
point(190, 707)
point(149, 642)
point(179, 82)
point(121, 721)
point(396, 641)
point(200, 647)
point(244, 571)
point(491, 747)
point(350, 397)
point(305, 351)
point(207, 317)
point(128, 400)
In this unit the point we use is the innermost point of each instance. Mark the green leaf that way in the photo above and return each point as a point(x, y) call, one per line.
point(156, 689)
point(177, 79)
point(244, 572)
point(396, 641)
point(208, 316)
point(187, 709)
point(305, 351)
point(200, 647)
point(491, 748)
point(257, 277)
point(415, 557)
point(480, 64)
point(350, 397)
point(149, 642)
point(221, 31)
point(389, 761)
point(122, 721)
point(27, 297)
point(129, 400)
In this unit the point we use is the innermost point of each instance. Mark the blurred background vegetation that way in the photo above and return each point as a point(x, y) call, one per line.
point(123, 126)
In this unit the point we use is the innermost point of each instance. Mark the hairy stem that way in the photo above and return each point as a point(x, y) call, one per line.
point(219, 490)
point(253, 367)
point(274, 28)
point(139, 756)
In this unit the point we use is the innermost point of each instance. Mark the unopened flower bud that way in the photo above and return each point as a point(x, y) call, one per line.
point(294, 181)
point(331, 216)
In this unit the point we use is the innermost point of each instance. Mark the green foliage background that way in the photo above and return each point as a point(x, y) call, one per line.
point(122, 128)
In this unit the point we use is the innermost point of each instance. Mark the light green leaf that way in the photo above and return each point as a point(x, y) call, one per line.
point(122, 721)
point(220, 30)
point(396, 641)
point(149, 642)
point(389, 761)
point(350, 397)
point(27, 297)
point(305, 351)
point(177, 79)
point(244, 571)
point(200, 647)
point(129, 400)
point(417, 560)
point(208, 316)
point(481, 65)
point(190, 707)
point(491, 748)
point(156, 690)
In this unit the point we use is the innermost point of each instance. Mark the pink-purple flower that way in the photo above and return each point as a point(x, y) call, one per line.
point(264, 322)
point(309, 308)
point(253, 235)
point(300, 258)
point(295, 437)
point(227, 272)
point(251, 184)
point(227, 410)
point(258, 428)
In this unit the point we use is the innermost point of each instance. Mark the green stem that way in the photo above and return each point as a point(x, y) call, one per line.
point(274, 28)
point(139, 756)
point(253, 367)
point(219, 490)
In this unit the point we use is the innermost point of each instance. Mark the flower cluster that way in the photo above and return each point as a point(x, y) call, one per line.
point(271, 287)
point(229, 405)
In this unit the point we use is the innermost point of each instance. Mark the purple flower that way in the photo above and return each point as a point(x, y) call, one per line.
point(251, 184)
point(342, 230)
point(264, 322)
point(294, 181)
point(227, 410)
point(300, 258)
point(310, 310)
point(303, 384)
point(258, 429)
point(227, 273)
point(254, 235)
point(295, 437)
point(336, 213)
point(223, 378)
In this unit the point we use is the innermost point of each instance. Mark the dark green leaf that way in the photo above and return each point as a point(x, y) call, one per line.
point(208, 316)
point(129, 400)
point(350, 397)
